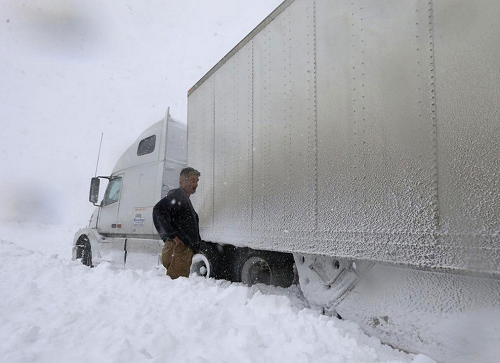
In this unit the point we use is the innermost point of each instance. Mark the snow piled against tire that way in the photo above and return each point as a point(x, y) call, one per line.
point(53, 309)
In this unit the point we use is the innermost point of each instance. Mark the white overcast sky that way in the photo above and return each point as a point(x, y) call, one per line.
point(72, 69)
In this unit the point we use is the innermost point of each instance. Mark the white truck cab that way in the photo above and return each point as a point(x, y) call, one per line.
point(121, 229)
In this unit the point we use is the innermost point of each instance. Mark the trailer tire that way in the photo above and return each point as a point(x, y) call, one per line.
point(84, 250)
point(266, 268)
point(201, 266)
point(214, 258)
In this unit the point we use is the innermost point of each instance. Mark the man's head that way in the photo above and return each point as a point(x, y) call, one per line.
point(189, 180)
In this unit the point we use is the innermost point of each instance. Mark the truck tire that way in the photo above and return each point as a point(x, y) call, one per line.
point(84, 250)
point(260, 267)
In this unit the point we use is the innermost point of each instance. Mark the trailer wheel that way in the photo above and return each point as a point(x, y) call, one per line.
point(256, 270)
point(201, 266)
point(84, 250)
point(268, 269)
point(210, 261)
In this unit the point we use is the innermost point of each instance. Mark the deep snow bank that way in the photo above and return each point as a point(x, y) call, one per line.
point(56, 310)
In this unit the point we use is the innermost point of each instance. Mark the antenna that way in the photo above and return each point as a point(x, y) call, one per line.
point(98, 155)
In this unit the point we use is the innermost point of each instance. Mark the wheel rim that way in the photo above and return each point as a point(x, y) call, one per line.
point(200, 266)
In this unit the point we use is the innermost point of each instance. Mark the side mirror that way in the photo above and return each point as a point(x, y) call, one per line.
point(94, 190)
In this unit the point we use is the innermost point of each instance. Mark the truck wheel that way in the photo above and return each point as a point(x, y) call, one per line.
point(201, 266)
point(267, 269)
point(84, 250)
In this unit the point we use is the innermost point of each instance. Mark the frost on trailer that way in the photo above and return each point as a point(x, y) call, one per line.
point(362, 131)
point(372, 125)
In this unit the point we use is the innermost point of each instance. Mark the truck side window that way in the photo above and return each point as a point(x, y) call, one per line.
point(113, 190)
point(147, 145)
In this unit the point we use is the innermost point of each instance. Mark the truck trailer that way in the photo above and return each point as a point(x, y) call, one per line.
point(352, 147)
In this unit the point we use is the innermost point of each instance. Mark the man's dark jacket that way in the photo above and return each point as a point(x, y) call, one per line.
point(174, 215)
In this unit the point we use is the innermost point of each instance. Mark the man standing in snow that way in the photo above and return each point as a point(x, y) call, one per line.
point(178, 225)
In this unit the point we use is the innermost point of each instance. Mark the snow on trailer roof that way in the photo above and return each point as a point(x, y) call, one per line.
point(241, 44)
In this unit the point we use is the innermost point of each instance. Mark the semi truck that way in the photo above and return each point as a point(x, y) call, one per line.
point(352, 147)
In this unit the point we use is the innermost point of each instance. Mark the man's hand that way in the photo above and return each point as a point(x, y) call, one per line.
point(177, 240)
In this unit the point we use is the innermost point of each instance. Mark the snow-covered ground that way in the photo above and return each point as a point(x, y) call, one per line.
point(53, 309)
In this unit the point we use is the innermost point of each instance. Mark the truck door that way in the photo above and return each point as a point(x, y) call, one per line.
point(112, 249)
point(110, 206)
